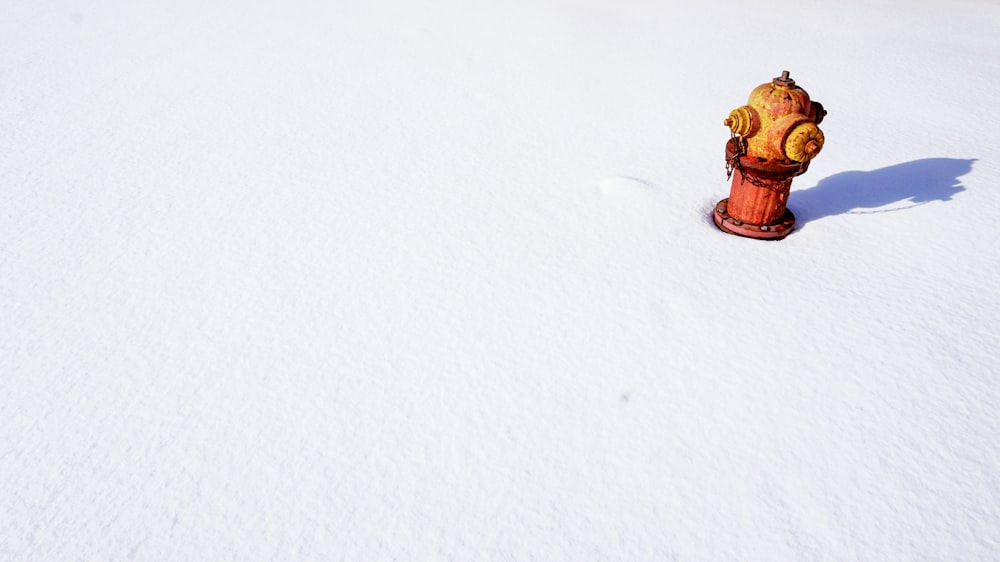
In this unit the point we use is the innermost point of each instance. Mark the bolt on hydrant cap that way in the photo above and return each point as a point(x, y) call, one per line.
point(784, 81)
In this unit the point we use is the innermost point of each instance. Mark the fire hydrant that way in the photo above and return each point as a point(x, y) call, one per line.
point(774, 137)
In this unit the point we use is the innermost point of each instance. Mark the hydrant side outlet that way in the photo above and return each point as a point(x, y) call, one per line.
point(773, 139)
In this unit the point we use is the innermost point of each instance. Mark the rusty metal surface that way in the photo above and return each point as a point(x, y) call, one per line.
point(773, 112)
point(773, 139)
point(727, 223)
point(759, 190)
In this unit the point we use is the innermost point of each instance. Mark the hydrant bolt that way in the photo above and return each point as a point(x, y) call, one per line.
point(783, 80)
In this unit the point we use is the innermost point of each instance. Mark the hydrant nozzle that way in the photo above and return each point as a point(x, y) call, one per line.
point(774, 137)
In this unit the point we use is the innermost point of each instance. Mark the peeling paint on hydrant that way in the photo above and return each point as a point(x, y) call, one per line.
point(774, 137)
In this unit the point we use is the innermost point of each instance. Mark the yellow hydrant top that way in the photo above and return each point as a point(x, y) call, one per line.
point(779, 122)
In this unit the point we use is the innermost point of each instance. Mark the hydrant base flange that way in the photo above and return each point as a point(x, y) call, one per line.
point(727, 223)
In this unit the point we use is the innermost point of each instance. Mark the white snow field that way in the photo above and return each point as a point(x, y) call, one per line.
point(303, 280)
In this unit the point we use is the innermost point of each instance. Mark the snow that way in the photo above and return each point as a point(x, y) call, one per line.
point(307, 280)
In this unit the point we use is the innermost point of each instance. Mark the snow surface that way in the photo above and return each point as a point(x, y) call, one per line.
point(437, 280)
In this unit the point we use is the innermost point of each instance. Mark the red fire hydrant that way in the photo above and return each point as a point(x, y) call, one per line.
point(773, 139)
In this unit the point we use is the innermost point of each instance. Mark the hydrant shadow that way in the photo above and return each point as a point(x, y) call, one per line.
point(908, 184)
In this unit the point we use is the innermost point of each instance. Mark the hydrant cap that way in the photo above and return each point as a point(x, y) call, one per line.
point(803, 142)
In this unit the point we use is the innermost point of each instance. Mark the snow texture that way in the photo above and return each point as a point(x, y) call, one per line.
point(437, 281)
